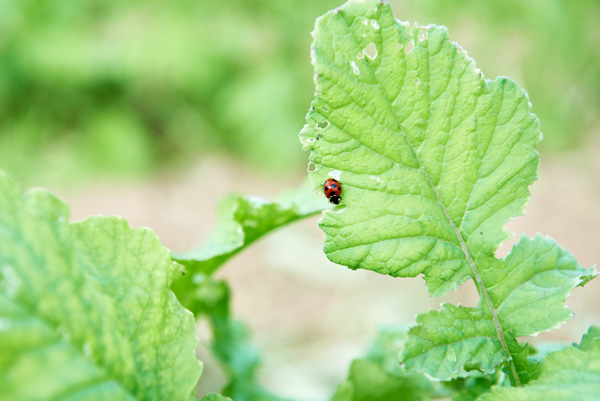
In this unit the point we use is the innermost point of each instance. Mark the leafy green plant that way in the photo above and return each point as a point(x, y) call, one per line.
point(433, 158)
point(85, 308)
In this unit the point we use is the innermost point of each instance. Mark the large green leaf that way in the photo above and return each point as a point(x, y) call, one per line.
point(527, 293)
point(433, 158)
point(570, 374)
point(85, 308)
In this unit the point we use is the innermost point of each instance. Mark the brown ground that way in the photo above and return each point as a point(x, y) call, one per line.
point(310, 317)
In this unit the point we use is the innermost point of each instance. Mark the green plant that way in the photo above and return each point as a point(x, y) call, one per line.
point(434, 160)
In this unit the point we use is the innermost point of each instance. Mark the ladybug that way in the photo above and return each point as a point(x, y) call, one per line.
point(333, 190)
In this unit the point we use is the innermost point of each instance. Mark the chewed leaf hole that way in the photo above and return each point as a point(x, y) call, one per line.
point(370, 51)
point(323, 124)
point(312, 167)
point(409, 47)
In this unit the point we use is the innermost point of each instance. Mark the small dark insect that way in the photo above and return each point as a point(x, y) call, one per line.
point(333, 190)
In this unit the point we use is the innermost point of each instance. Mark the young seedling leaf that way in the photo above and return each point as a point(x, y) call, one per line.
point(85, 308)
point(570, 374)
point(241, 221)
point(433, 158)
point(527, 291)
point(244, 219)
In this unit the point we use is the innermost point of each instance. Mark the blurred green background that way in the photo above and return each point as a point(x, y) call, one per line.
point(113, 88)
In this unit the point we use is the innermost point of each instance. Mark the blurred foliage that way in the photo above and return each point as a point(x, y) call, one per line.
point(550, 47)
point(125, 87)
point(113, 86)
point(379, 376)
point(231, 344)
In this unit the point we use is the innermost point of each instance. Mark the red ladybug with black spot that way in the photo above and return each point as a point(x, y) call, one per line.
point(333, 190)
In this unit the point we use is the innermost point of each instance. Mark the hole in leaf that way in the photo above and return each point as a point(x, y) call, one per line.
point(354, 67)
point(409, 47)
point(370, 51)
point(417, 81)
point(375, 24)
point(312, 167)
point(323, 124)
point(468, 296)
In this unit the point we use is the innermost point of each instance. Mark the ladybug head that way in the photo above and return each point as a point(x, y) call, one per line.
point(335, 199)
